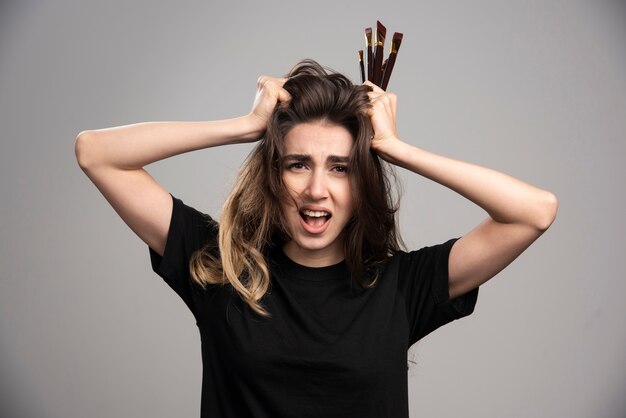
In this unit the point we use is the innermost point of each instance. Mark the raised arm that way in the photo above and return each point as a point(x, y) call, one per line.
point(518, 212)
point(114, 158)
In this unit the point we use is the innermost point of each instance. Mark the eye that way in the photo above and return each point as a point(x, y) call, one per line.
point(340, 168)
point(296, 166)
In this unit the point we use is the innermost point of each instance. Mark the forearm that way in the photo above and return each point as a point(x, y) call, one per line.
point(504, 198)
point(137, 145)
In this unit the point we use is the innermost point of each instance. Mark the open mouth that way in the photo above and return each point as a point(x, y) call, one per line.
point(315, 218)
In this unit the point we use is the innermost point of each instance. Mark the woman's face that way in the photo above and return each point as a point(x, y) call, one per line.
point(316, 175)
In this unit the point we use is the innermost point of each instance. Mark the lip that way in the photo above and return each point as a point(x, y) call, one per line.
point(314, 230)
point(315, 208)
point(310, 229)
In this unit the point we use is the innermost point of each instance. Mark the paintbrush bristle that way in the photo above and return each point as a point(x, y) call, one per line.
point(395, 42)
point(380, 28)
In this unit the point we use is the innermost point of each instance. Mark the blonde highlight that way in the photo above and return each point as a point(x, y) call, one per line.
point(251, 221)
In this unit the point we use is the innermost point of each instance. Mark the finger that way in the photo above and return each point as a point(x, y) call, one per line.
point(275, 88)
point(267, 81)
point(260, 82)
point(378, 93)
point(384, 99)
point(374, 96)
point(374, 87)
point(283, 95)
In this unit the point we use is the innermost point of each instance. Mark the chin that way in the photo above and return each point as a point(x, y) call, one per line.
point(323, 246)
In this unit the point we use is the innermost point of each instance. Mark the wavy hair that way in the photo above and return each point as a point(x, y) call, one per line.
point(251, 222)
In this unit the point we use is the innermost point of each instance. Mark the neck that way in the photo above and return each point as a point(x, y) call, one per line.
point(314, 258)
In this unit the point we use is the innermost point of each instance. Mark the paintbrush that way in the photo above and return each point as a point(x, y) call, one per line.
point(381, 31)
point(395, 46)
point(370, 55)
point(361, 66)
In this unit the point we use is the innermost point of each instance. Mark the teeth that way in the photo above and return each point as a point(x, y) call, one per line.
point(314, 213)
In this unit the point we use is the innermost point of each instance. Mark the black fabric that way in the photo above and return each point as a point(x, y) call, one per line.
point(330, 348)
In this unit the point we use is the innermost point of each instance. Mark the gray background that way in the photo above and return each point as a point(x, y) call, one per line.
point(536, 89)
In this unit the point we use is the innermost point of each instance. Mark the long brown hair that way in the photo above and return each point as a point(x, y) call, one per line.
point(251, 220)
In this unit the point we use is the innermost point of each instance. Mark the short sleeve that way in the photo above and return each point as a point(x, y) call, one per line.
point(424, 282)
point(188, 231)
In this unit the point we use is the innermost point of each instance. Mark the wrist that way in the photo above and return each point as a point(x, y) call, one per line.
point(251, 128)
point(390, 149)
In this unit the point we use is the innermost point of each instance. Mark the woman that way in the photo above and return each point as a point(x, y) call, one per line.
point(305, 303)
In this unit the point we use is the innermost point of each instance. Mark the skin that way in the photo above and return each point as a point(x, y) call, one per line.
point(517, 212)
point(114, 158)
point(316, 174)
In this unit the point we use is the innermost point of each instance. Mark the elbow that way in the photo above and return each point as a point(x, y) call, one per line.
point(547, 213)
point(83, 149)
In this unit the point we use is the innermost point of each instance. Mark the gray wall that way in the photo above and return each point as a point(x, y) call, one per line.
point(536, 89)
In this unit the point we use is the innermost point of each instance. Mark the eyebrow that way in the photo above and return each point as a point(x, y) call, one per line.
point(305, 158)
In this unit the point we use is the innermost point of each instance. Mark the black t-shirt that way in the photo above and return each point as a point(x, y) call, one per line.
point(329, 349)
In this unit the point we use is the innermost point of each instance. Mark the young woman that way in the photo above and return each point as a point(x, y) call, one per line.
point(305, 302)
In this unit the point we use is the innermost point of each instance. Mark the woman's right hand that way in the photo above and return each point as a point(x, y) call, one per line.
point(269, 93)
point(114, 158)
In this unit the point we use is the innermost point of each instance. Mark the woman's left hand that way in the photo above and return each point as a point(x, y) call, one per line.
point(383, 117)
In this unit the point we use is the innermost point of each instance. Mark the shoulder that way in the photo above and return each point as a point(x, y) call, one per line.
point(421, 258)
point(189, 217)
point(420, 267)
point(189, 230)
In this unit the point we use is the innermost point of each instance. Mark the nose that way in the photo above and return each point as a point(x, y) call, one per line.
point(317, 187)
